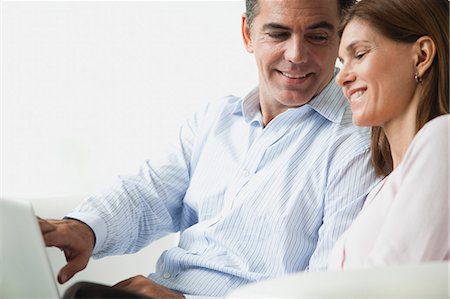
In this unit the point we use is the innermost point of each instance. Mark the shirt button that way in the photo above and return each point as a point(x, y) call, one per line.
point(245, 173)
point(167, 275)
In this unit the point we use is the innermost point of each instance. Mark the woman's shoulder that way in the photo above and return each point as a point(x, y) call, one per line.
point(431, 142)
point(435, 132)
point(439, 125)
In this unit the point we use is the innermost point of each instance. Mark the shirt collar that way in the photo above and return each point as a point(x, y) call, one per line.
point(249, 107)
point(330, 103)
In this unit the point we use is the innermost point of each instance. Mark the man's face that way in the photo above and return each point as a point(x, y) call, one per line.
point(295, 46)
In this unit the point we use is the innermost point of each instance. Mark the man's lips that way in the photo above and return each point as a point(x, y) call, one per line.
point(294, 75)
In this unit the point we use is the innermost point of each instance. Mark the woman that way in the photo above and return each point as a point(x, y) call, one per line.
point(395, 75)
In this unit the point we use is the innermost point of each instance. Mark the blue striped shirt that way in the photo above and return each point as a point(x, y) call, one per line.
point(250, 202)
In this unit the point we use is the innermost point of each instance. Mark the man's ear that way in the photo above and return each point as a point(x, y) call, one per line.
point(424, 51)
point(246, 34)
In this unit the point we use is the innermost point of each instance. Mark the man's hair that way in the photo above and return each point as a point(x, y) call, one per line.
point(405, 21)
point(252, 8)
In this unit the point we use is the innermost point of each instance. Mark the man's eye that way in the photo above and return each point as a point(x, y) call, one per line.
point(278, 35)
point(322, 38)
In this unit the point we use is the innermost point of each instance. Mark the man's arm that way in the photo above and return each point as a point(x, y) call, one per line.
point(137, 210)
point(349, 182)
point(142, 208)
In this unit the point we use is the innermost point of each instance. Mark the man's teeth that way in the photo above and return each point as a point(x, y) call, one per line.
point(357, 95)
point(293, 76)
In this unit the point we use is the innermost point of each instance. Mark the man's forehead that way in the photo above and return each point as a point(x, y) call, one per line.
point(305, 9)
point(298, 16)
point(307, 12)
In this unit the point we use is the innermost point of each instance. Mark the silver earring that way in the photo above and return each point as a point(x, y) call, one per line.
point(417, 78)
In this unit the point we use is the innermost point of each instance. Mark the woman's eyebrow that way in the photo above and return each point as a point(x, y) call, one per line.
point(354, 43)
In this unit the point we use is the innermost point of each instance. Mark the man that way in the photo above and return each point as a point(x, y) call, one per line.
point(258, 186)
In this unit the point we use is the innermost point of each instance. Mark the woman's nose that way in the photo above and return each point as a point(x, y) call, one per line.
point(345, 76)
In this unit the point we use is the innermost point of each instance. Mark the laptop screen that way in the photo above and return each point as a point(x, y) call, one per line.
point(25, 270)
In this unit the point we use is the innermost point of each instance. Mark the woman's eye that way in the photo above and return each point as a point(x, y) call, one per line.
point(360, 55)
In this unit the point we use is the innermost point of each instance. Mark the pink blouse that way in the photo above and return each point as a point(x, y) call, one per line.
point(405, 219)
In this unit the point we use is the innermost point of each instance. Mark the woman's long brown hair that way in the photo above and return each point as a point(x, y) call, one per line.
point(405, 21)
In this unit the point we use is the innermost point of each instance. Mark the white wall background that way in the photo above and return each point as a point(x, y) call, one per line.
point(91, 89)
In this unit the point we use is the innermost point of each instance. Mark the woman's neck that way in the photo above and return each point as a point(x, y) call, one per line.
point(400, 137)
point(400, 132)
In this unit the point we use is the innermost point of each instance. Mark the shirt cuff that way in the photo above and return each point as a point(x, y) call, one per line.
point(97, 225)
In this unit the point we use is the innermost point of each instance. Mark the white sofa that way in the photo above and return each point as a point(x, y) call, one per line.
point(424, 281)
point(109, 270)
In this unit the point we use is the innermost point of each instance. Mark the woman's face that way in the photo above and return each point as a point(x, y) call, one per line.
point(377, 76)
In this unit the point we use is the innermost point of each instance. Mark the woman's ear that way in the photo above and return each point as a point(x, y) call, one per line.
point(246, 34)
point(425, 51)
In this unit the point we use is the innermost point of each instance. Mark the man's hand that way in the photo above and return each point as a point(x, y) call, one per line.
point(73, 237)
point(141, 285)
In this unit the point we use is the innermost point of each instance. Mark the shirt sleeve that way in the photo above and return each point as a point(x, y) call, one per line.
point(416, 225)
point(142, 208)
point(350, 180)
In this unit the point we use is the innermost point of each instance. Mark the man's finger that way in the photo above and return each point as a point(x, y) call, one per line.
point(45, 226)
point(123, 283)
point(71, 268)
point(54, 238)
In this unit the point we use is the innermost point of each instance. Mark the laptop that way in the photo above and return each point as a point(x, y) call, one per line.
point(25, 270)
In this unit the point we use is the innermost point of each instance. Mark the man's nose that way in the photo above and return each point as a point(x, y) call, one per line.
point(296, 51)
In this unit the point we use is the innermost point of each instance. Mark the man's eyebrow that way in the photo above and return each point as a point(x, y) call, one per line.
point(319, 25)
point(322, 25)
point(270, 26)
